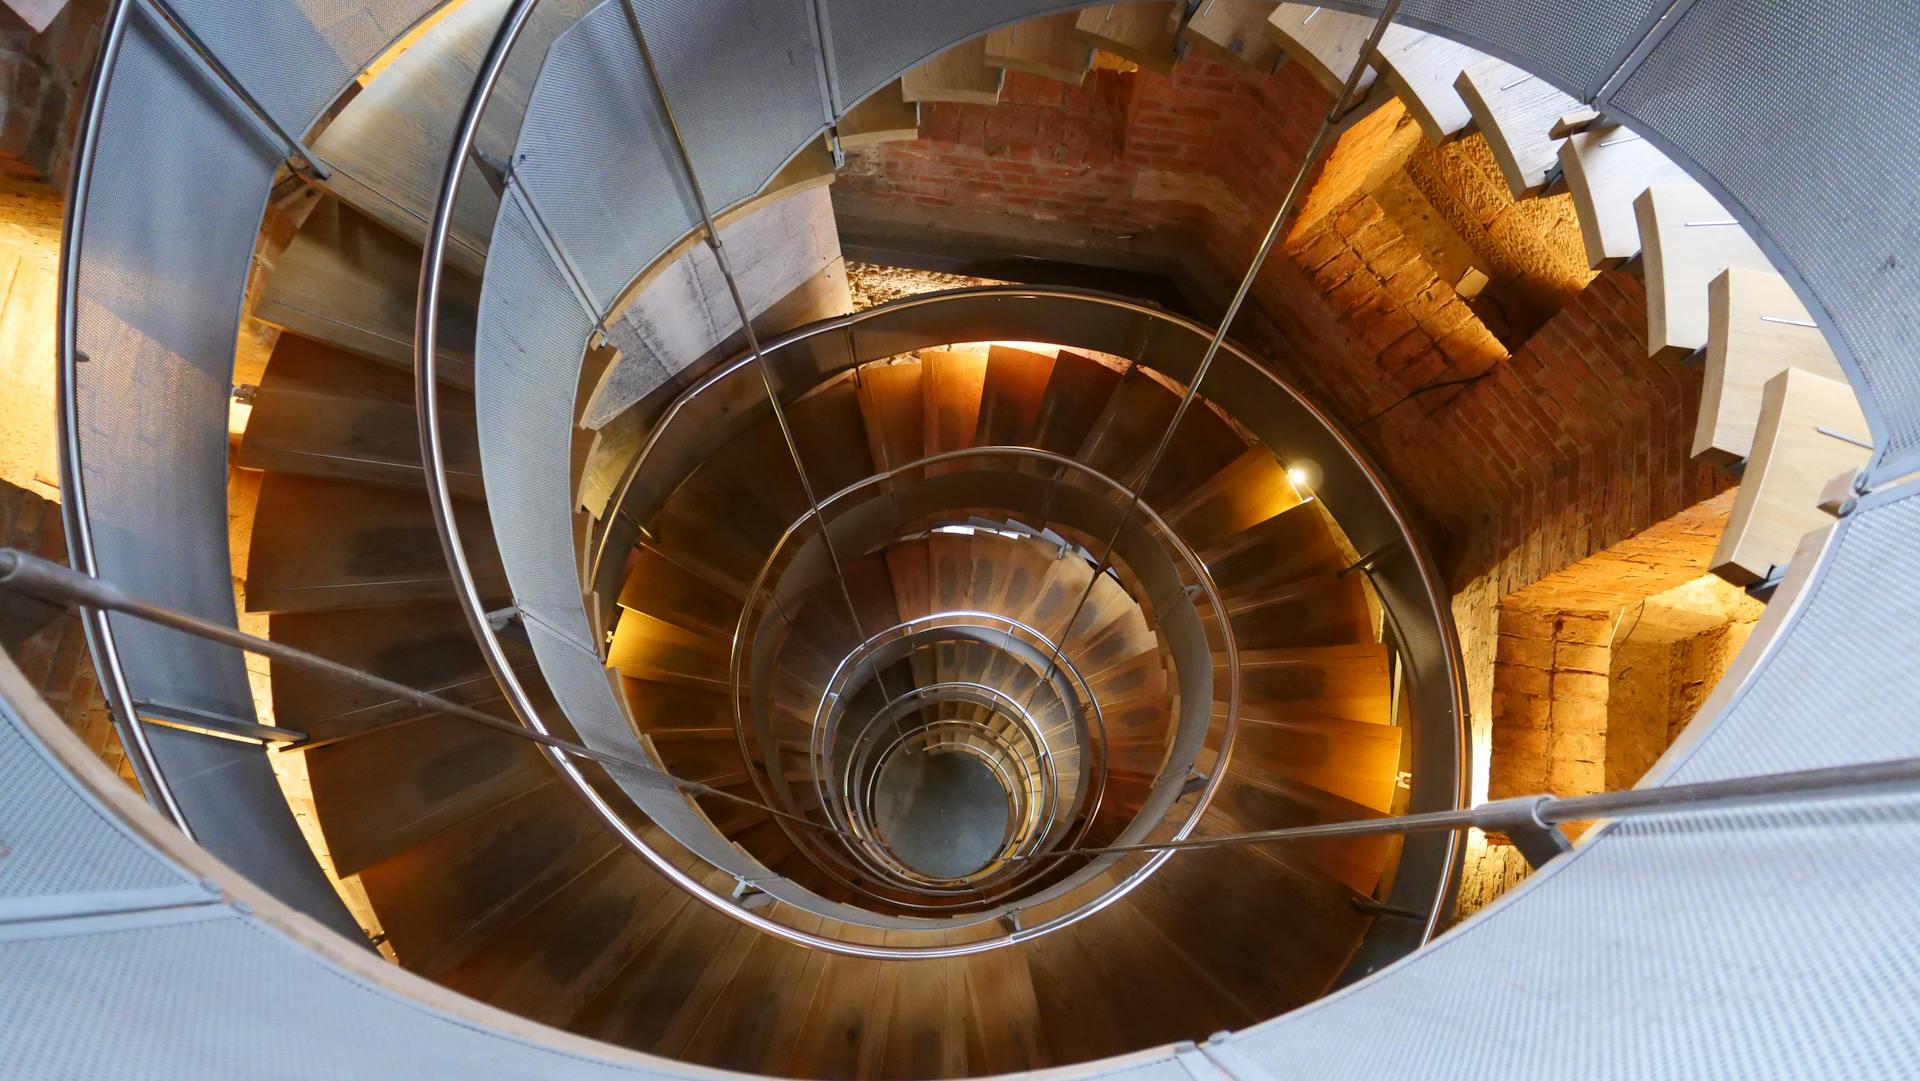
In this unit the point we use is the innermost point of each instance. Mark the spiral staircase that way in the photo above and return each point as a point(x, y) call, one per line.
point(894, 684)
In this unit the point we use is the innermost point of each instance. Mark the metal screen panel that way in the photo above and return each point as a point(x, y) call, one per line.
point(178, 188)
point(1802, 114)
point(297, 56)
point(597, 159)
point(744, 81)
point(173, 991)
point(57, 841)
point(1574, 44)
point(875, 40)
point(1738, 943)
point(582, 685)
point(530, 337)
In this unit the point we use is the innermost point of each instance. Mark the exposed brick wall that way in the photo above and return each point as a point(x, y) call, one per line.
point(1526, 435)
point(43, 81)
point(1518, 464)
point(1093, 154)
point(47, 643)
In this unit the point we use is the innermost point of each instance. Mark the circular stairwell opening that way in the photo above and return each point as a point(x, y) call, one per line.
point(943, 812)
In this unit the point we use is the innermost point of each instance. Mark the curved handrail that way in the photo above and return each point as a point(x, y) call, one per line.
point(466, 589)
point(1430, 587)
point(73, 484)
point(467, 593)
point(974, 617)
point(822, 735)
point(1136, 505)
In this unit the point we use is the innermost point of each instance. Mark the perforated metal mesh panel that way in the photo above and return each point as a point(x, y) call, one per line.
point(743, 78)
point(344, 1026)
point(178, 188)
point(296, 56)
point(1574, 44)
point(597, 159)
point(875, 40)
point(169, 988)
point(580, 683)
point(1802, 113)
point(530, 336)
point(1737, 944)
point(57, 842)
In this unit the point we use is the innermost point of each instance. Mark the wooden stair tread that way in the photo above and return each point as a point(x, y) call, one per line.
point(665, 991)
point(890, 401)
point(442, 900)
point(1205, 906)
point(884, 117)
point(388, 145)
point(649, 648)
point(1757, 328)
point(665, 590)
point(1251, 489)
point(1516, 110)
point(845, 1028)
point(1078, 388)
point(950, 384)
point(749, 1029)
point(1146, 34)
point(1235, 31)
point(551, 964)
point(348, 281)
point(1606, 169)
point(1326, 610)
point(1011, 396)
point(1352, 682)
point(378, 794)
point(320, 543)
point(1046, 46)
point(1247, 802)
point(831, 432)
point(1688, 239)
point(1422, 69)
point(422, 645)
point(959, 74)
point(1779, 496)
point(1354, 760)
point(1295, 544)
point(325, 412)
point(1325, 42)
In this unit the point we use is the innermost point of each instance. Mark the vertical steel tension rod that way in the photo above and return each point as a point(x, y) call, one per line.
point(746, 318)
point(1280, 216)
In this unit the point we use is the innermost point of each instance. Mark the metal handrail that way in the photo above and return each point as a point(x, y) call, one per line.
point(934, 621)
point(434, 467)
point(50, 581)
point(825, 724)
point(1546, 813)
point(1019, 799)
point(1045, 780)
point(466, 589)
point(73, 483)
point(1136, 505)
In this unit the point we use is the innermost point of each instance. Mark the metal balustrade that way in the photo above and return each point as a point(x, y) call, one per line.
point(1646, 63)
